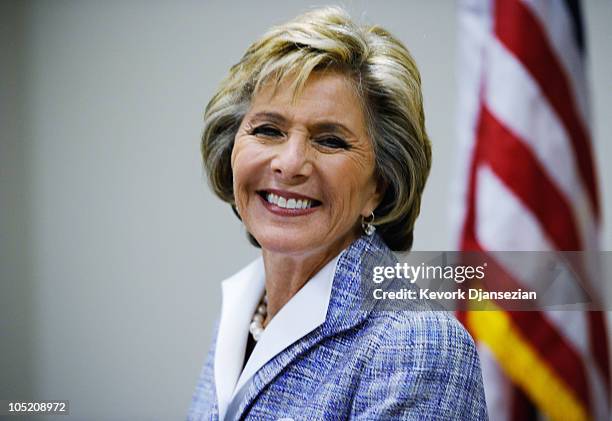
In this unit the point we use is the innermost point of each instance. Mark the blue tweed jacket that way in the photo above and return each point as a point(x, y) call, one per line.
point(361, 363)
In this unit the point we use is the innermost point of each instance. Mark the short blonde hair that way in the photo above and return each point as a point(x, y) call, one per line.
point(385, 77)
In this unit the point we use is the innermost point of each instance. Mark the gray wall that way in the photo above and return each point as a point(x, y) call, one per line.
point(112, 246)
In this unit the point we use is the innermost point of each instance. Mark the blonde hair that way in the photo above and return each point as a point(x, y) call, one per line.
point(385, 77)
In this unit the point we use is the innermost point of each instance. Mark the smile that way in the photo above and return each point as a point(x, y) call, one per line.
point(283, 202)
point(287, 202)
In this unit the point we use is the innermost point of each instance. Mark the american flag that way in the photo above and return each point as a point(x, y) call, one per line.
point(528, 182)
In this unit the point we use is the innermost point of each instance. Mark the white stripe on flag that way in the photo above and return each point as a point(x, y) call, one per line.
point(501, 215)
point(473, 31)
point(558, 26)
point(516, 100)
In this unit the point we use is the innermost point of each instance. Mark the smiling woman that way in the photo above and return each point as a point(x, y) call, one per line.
point(317, 141)
point(315, 149)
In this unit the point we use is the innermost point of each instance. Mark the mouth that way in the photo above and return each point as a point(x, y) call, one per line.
point(288, 202)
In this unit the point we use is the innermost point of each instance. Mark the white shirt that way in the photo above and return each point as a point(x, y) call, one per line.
point(303, 313)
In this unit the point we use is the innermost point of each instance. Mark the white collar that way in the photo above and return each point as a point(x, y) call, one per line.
point(303, 313)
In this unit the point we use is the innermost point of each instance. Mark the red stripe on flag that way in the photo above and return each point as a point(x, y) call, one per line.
point(521, 33)
point(468, 239)
point(468, 235)
point(598, 336)
point(518, 169)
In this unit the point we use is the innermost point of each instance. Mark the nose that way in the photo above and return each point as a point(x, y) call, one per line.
point(291, 161)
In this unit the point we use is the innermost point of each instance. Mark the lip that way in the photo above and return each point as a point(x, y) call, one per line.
point(277, 210)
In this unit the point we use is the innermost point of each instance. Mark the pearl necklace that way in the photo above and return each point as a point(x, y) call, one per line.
point(256, 327)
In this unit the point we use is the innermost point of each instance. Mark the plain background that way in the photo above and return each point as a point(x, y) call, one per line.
point(112, 246)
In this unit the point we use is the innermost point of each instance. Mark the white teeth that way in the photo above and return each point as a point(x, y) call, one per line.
point(282, 202)
point(272, 198)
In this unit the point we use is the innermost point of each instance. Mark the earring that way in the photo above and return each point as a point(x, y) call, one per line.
point(367, 223)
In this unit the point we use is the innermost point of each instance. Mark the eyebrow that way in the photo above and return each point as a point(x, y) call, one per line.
point(269, 116)
point(324, 126)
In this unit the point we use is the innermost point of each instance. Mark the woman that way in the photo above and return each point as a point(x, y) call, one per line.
point(317, 140)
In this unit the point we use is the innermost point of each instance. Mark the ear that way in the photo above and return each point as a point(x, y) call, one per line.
point(375, 198)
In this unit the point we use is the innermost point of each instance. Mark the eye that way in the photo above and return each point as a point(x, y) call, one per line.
point(266, 131)
point(333, 142)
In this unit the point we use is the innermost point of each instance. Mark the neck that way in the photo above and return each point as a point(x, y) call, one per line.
point(286, 274)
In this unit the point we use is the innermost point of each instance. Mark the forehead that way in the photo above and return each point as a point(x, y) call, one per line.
point(324, 96)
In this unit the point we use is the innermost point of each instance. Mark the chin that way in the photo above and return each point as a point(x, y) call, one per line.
point(285, 244)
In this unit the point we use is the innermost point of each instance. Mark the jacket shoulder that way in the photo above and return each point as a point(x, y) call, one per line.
point(430, 330)
point(425, 365)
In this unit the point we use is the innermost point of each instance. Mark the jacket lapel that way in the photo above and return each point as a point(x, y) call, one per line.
point(347, 309)
point(241, 295)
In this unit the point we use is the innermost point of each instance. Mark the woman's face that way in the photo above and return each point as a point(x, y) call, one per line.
point(304, 169)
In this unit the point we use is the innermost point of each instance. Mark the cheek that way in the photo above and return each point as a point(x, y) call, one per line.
point(240, 171)
point(353, 183)
point(242, 161)
point(236, 160)
point(248, 164)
